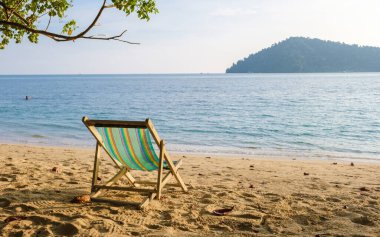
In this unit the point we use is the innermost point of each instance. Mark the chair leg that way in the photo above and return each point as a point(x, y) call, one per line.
point(131, 180)
point(174, 171)
point(146, 202)
point(180, 181)
point(160, 170)
point(170, 175)
point(96, 166)
point(113, 180)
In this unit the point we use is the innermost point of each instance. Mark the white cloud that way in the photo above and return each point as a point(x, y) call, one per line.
point(233, 12)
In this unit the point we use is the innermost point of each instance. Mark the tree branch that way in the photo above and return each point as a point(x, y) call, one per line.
point(111, 38)
point(93, 22)
point(61, 37)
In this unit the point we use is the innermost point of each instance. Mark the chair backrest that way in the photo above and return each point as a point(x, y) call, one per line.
point(129, 143)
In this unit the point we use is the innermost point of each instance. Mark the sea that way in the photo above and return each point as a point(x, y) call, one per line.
point(323, 116)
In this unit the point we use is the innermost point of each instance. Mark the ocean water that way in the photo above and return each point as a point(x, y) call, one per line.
point(308, 115)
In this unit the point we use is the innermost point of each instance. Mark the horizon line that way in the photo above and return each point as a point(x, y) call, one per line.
point(179, 73)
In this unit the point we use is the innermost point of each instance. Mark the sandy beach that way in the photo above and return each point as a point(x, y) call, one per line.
point(271, 197)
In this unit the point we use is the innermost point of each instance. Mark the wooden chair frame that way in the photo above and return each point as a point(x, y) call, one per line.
point(162, 181)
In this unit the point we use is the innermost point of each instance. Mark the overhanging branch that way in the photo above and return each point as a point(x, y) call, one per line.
point(25, 25)
point(117, 38)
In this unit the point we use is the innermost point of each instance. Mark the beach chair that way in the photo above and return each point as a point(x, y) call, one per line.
point(129, 145)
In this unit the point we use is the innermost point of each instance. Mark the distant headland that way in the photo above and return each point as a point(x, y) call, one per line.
point(306, 55)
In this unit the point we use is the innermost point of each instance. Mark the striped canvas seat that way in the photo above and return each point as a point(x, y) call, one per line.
point(130, 146)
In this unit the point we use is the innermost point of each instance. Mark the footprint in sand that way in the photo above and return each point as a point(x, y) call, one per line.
point(250, 216)
point(363, 220)
point(154, 227)
point(333, 199)
point(109, 226)
point(57, 228)
point(250, 195)
point(373, 203)
point(273, 197)
point(245, 226)
point(40, 220)
point(4, 202)
point(65, 229)
point(302, 219)
point(222, 194)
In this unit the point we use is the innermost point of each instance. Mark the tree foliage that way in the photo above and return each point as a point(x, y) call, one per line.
point(23, 18)
point(299, 54)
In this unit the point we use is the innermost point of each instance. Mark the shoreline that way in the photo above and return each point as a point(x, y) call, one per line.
point(284, 155)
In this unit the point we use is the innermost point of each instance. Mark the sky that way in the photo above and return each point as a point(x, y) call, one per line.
point(197, 36)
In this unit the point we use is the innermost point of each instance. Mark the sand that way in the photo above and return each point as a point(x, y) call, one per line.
point(271, 197)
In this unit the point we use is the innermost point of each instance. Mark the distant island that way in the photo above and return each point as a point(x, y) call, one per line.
point(306, 55)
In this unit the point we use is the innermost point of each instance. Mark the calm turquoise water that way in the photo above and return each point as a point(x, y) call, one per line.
point(303, 114)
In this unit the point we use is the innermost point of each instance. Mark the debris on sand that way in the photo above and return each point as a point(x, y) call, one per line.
point(306, 173)
point(82, 199)
point(222, 212)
